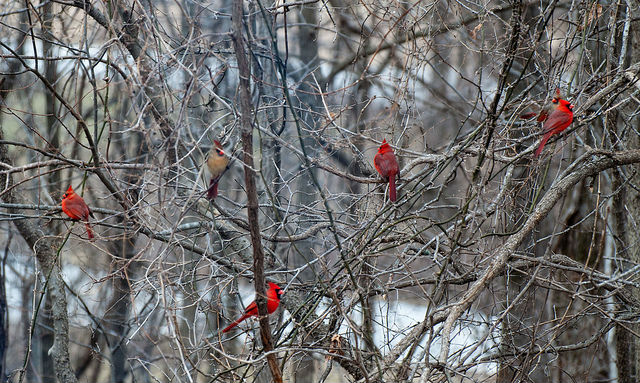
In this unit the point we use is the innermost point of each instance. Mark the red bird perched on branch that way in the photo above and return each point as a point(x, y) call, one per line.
point(387, 165)
point(556, 117)
point(273, 300)
point(74, 206)
point(218, 163)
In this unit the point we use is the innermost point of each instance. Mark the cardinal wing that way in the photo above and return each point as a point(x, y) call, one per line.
point(378, 162)
point(79, 208)
point(557, 119)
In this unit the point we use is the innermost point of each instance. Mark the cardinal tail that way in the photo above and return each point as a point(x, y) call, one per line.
point(89, 230)
point(212, 192)
point(542, 143)
point(392, 187)
point(234, 324)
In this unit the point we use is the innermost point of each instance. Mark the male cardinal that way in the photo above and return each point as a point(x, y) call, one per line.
point(387, 165)
point(217, 162)
point(273, 300)
point(74, 206)
point(557, 117)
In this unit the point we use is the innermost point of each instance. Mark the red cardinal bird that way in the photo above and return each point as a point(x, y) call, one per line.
point(74, 206)
point(387, 165)
point(273, 300)
point(218, 163)
point(559, 118)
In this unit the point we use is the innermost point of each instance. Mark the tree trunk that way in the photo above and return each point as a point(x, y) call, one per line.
point(626, 210)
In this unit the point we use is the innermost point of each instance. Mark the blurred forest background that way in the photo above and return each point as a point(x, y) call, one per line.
point(492, 266)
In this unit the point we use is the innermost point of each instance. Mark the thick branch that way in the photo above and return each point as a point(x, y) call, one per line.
point(589, 164)
point(45, 248)
point(246, 118)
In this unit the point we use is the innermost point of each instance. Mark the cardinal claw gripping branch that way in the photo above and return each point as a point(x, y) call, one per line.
point(74, 206)
point(273, 300)
point(387, 165)
point(218, 163)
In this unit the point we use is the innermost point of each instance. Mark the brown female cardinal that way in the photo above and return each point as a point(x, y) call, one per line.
point(74, 206)
point(544, 113)
point(273, 301)
point(387, 165)
point(218, 163)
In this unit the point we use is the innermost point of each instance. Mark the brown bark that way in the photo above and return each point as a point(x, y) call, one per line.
point(46, 249)
point(626, 205)
point(117, 314)
point(246, 122)
point(590, 164)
